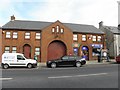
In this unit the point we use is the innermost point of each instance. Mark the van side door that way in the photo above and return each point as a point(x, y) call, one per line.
point(21, 60)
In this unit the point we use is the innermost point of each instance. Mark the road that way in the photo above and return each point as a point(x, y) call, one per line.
point(89, 76)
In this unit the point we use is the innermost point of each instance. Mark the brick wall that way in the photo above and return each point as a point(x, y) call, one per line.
point(47, 36)
point(21, 41)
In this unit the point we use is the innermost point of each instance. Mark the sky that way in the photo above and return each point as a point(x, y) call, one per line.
point(89, 12)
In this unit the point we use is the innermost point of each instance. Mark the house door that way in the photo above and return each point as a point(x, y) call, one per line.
point(27, 51)
point(56, 49)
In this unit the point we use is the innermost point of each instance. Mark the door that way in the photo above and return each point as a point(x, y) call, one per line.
point(85, 52)
point(27, 51)
point(56, 49)
point(64, 61)
point(21, 61)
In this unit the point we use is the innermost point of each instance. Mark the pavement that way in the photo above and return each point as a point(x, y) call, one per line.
point(90, 62)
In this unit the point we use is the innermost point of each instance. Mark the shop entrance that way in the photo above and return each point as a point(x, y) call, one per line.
point(56, 49)
point(85, 52)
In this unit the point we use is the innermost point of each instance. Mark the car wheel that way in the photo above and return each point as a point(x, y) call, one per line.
point(78, 64)
point(53, 65)
point(29, 65)
point(5, 66)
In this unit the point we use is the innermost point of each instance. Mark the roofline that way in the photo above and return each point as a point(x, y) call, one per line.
point(20, 29)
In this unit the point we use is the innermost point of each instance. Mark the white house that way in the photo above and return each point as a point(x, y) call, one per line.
point(112, 39)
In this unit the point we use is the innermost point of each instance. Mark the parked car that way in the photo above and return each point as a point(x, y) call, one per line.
point(17, 60)
point(118, 59)
point(66, 60)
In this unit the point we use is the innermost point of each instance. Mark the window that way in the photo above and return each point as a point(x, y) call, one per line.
point(8, 35)
point(65, 58)
point(19, 57)
point(119, 50)
point(83, 37)
point(15, 35)
point(71, 58)
point(53, 30)
point(37, 51)
point(99, 38)
point(62, 30)
point(14, 49)
point(94, 38)
point(95, 51)
point(37, 35)
point(75, 37)
point(27, 35)
point(7, 49)
point(57, 29)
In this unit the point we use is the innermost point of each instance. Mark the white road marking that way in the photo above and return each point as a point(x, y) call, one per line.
point(6, 78)
point(78, 75)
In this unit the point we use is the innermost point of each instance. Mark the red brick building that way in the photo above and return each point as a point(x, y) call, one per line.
point(51, 40)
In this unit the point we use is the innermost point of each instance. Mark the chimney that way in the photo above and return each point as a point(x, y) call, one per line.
point(12, 18)
point(100, 24)
point(119, 27)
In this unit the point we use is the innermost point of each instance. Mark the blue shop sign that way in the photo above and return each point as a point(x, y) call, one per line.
point(84, 48)
point(97, 45)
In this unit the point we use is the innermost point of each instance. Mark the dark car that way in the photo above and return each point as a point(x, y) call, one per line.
point(118, 59)
point(65, 61)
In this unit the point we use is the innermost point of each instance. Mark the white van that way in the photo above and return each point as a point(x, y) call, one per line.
point(17, 60)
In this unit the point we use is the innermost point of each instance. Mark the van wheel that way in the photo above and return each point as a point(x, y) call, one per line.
point(78, 64)
point(29, 65)
point(5, 66)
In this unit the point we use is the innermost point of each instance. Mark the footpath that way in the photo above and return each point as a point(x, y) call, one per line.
point(90, 62)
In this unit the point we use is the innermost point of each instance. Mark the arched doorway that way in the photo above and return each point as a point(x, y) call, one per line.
point(56, 49)
point(85, 52)
point(27, 51)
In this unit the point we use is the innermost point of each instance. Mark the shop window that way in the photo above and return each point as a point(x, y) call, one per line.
point(95, 51)
point(8, 35)
point(14, 49)
point(83, 37)
point(99, 38)
point(94, 38)
point(37, 51)
point(75, 37)
point(7, 49)
point(75, 50)
point(15, 35)
point(37, 35)
point(27, 35)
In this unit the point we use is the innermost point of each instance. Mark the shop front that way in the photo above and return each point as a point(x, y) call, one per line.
point(85, 52)
point(96, 50)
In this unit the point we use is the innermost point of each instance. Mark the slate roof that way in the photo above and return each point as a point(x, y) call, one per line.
point(27, 25)
point(39, 25)
point(113, 29)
